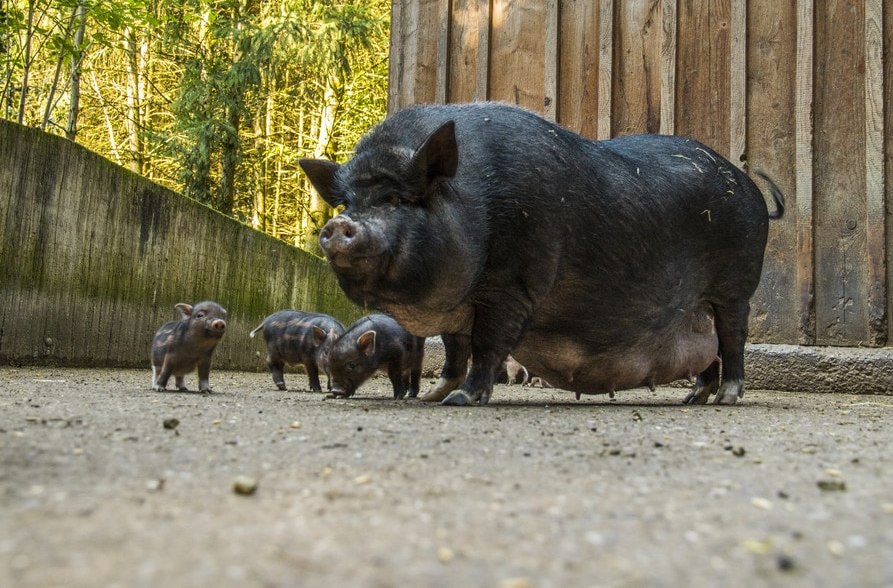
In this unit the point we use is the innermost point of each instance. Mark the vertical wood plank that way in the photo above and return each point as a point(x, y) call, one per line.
point(409, 43)
point(738, 83)
point(482, 81)
point(874, 172)
point(841, 268)
point(578, 67)
point(462, 54)
point(518, 47)
point(703, 92)
point(605, 66)
point(771, 148)
point(395, 56)
point(887, 53)
point(638, 38)
point(668, 67)
point(804, 131)
point(442, 71)
point(551, 57)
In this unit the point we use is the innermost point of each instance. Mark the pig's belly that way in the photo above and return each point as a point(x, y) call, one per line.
point(681, 350)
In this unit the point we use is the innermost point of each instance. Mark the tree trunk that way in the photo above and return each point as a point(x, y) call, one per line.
point(26, 64)
point(132, 119)
point(48, 111)
point(71, 128)
point(318, 211)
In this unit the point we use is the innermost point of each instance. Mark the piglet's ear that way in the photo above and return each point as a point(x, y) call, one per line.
point(185, 309)
point(366, 343)
point(438, 157)
point(319, 335)
point(322, 175)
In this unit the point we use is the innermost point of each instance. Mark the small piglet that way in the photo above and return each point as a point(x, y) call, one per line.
point(181, 346)
point(375, 342)
point(296, 337)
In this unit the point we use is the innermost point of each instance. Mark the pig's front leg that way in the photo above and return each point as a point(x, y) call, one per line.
point(496, 330)
point(204, 373)
point(457, 349)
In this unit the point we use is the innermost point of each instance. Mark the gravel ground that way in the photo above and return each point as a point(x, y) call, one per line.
point(106, 483)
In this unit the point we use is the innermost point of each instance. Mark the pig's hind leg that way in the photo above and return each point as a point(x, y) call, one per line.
point(731, 329)
point(705, 386)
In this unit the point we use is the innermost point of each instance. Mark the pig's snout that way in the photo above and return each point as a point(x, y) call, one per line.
point(339, 238)
point(218, 326)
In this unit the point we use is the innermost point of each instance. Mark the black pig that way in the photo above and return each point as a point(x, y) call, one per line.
point(375, 342)
point(181, 346)
point(600, 265)
point(296, 337)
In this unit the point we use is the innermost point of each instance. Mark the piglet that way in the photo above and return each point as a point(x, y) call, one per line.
point(181, 346)
point(376, 342)
point(296, 337)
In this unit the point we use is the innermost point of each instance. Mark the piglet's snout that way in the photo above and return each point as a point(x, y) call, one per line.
point(218, 325)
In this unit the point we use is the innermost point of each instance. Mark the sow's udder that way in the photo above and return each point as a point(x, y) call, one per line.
point(681, 351)
point(350, 244)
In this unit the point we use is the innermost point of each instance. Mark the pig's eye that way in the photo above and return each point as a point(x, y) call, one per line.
point(199, 315)
point(394, 200)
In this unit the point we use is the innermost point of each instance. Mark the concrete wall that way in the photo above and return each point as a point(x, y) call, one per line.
point(93, 259)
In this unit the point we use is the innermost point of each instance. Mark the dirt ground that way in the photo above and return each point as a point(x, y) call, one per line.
point(100, 486)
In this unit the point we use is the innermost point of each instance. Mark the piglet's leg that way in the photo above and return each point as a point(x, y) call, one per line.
point(204, 372)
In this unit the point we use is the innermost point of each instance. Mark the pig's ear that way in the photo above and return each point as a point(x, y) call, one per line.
point(185, 309)
point(438, 157)
point(322, 175)
point(318, 335)
point(366, 342)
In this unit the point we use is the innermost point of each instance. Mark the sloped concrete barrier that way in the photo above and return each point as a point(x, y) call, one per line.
point(94, 257)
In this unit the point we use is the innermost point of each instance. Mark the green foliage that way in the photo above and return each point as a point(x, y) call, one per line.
point(217, 99)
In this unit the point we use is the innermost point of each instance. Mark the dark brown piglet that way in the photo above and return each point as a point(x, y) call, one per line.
point(376, 342)
point(296, 337)
point(184, 345)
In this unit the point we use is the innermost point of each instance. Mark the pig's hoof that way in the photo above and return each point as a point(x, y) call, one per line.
point(158, 388)
point(730, 392)
point(441, 389)
point(457, 398)
point(700, 394)
point(281, 385)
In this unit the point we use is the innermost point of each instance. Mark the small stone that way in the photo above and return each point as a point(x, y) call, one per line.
point(887, 507)
point(832, 485)
point(836, 548)
point(296, 425)
point(833, 472)
point(445, 554)
point(171, 424)
point(759, 547)
point(360, 480)
point(216, 422)
point(784, 562)
point(761, 503)
point(738, 451)
point(244, 485)
point(326, 472)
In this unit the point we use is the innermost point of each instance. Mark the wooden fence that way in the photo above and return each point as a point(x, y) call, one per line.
point(795, 89)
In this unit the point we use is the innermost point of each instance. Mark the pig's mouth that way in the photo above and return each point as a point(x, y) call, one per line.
point(339, 392)
point(356, 263)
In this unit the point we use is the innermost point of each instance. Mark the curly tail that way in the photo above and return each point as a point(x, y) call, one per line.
point(255, 330)
point(776, 195)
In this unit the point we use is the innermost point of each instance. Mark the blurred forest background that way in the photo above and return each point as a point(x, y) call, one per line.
point(215, 99)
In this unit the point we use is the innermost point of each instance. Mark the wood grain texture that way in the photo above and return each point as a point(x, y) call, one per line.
point(579, 66)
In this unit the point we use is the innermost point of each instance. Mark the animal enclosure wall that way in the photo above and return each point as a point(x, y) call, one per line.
point(93, 259)
point(798, 90)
